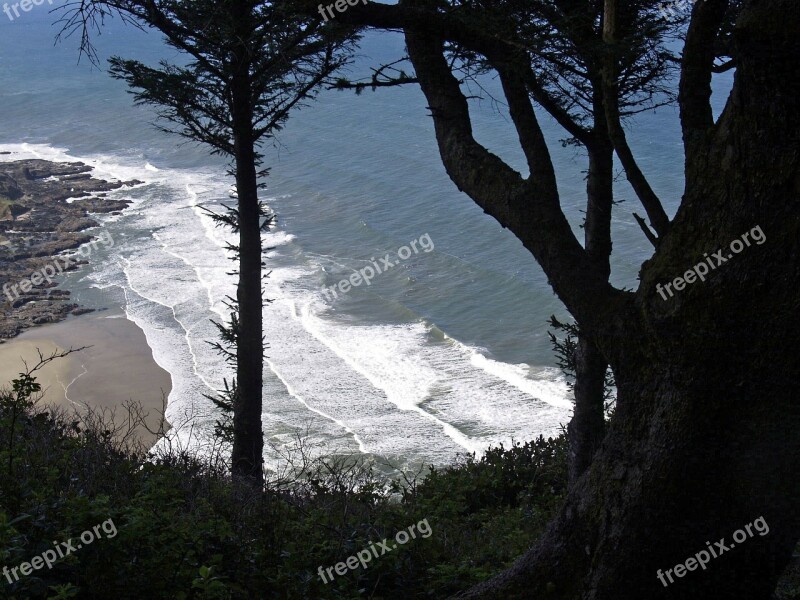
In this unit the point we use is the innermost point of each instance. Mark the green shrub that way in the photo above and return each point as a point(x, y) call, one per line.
point(186, 531)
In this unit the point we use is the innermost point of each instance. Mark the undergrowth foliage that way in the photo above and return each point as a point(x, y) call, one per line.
point(565, 350)
point(186, 530)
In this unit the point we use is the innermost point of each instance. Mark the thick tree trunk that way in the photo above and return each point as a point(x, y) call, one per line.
point(705, 439)
point(248, 439)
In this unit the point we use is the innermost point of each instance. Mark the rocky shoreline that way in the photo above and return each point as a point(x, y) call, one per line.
point(45, 211)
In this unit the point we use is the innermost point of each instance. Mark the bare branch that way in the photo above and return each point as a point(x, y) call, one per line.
point(650, 201)
point(699, 53)
point(648, 234)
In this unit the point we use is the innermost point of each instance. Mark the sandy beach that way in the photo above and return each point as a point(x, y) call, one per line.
point(117, 367)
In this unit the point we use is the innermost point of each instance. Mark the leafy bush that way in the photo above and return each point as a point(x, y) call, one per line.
point(187, 531)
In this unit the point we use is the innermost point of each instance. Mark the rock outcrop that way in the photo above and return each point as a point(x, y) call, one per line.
point(44, 211)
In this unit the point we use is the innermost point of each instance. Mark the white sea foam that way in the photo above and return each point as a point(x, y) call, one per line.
point(401, 390)
point(105, 167)
point(551, 391)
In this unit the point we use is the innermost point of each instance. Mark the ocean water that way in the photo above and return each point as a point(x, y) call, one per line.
point(446, 352)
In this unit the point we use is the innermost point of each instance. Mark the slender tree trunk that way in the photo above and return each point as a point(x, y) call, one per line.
point(586, 429)
point(705, 438)
point(248, 441)
point(248, 438)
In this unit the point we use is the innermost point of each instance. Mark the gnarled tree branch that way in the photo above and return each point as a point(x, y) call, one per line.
point(650, 201)
point(530, 209)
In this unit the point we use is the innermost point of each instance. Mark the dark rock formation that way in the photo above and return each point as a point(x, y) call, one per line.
point(37, 225)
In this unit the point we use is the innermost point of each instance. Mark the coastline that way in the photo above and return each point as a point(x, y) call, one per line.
point(118, 367)
point(46, 226)
point(47, 229)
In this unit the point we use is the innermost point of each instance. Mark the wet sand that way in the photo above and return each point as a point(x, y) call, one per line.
point(118, 366)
